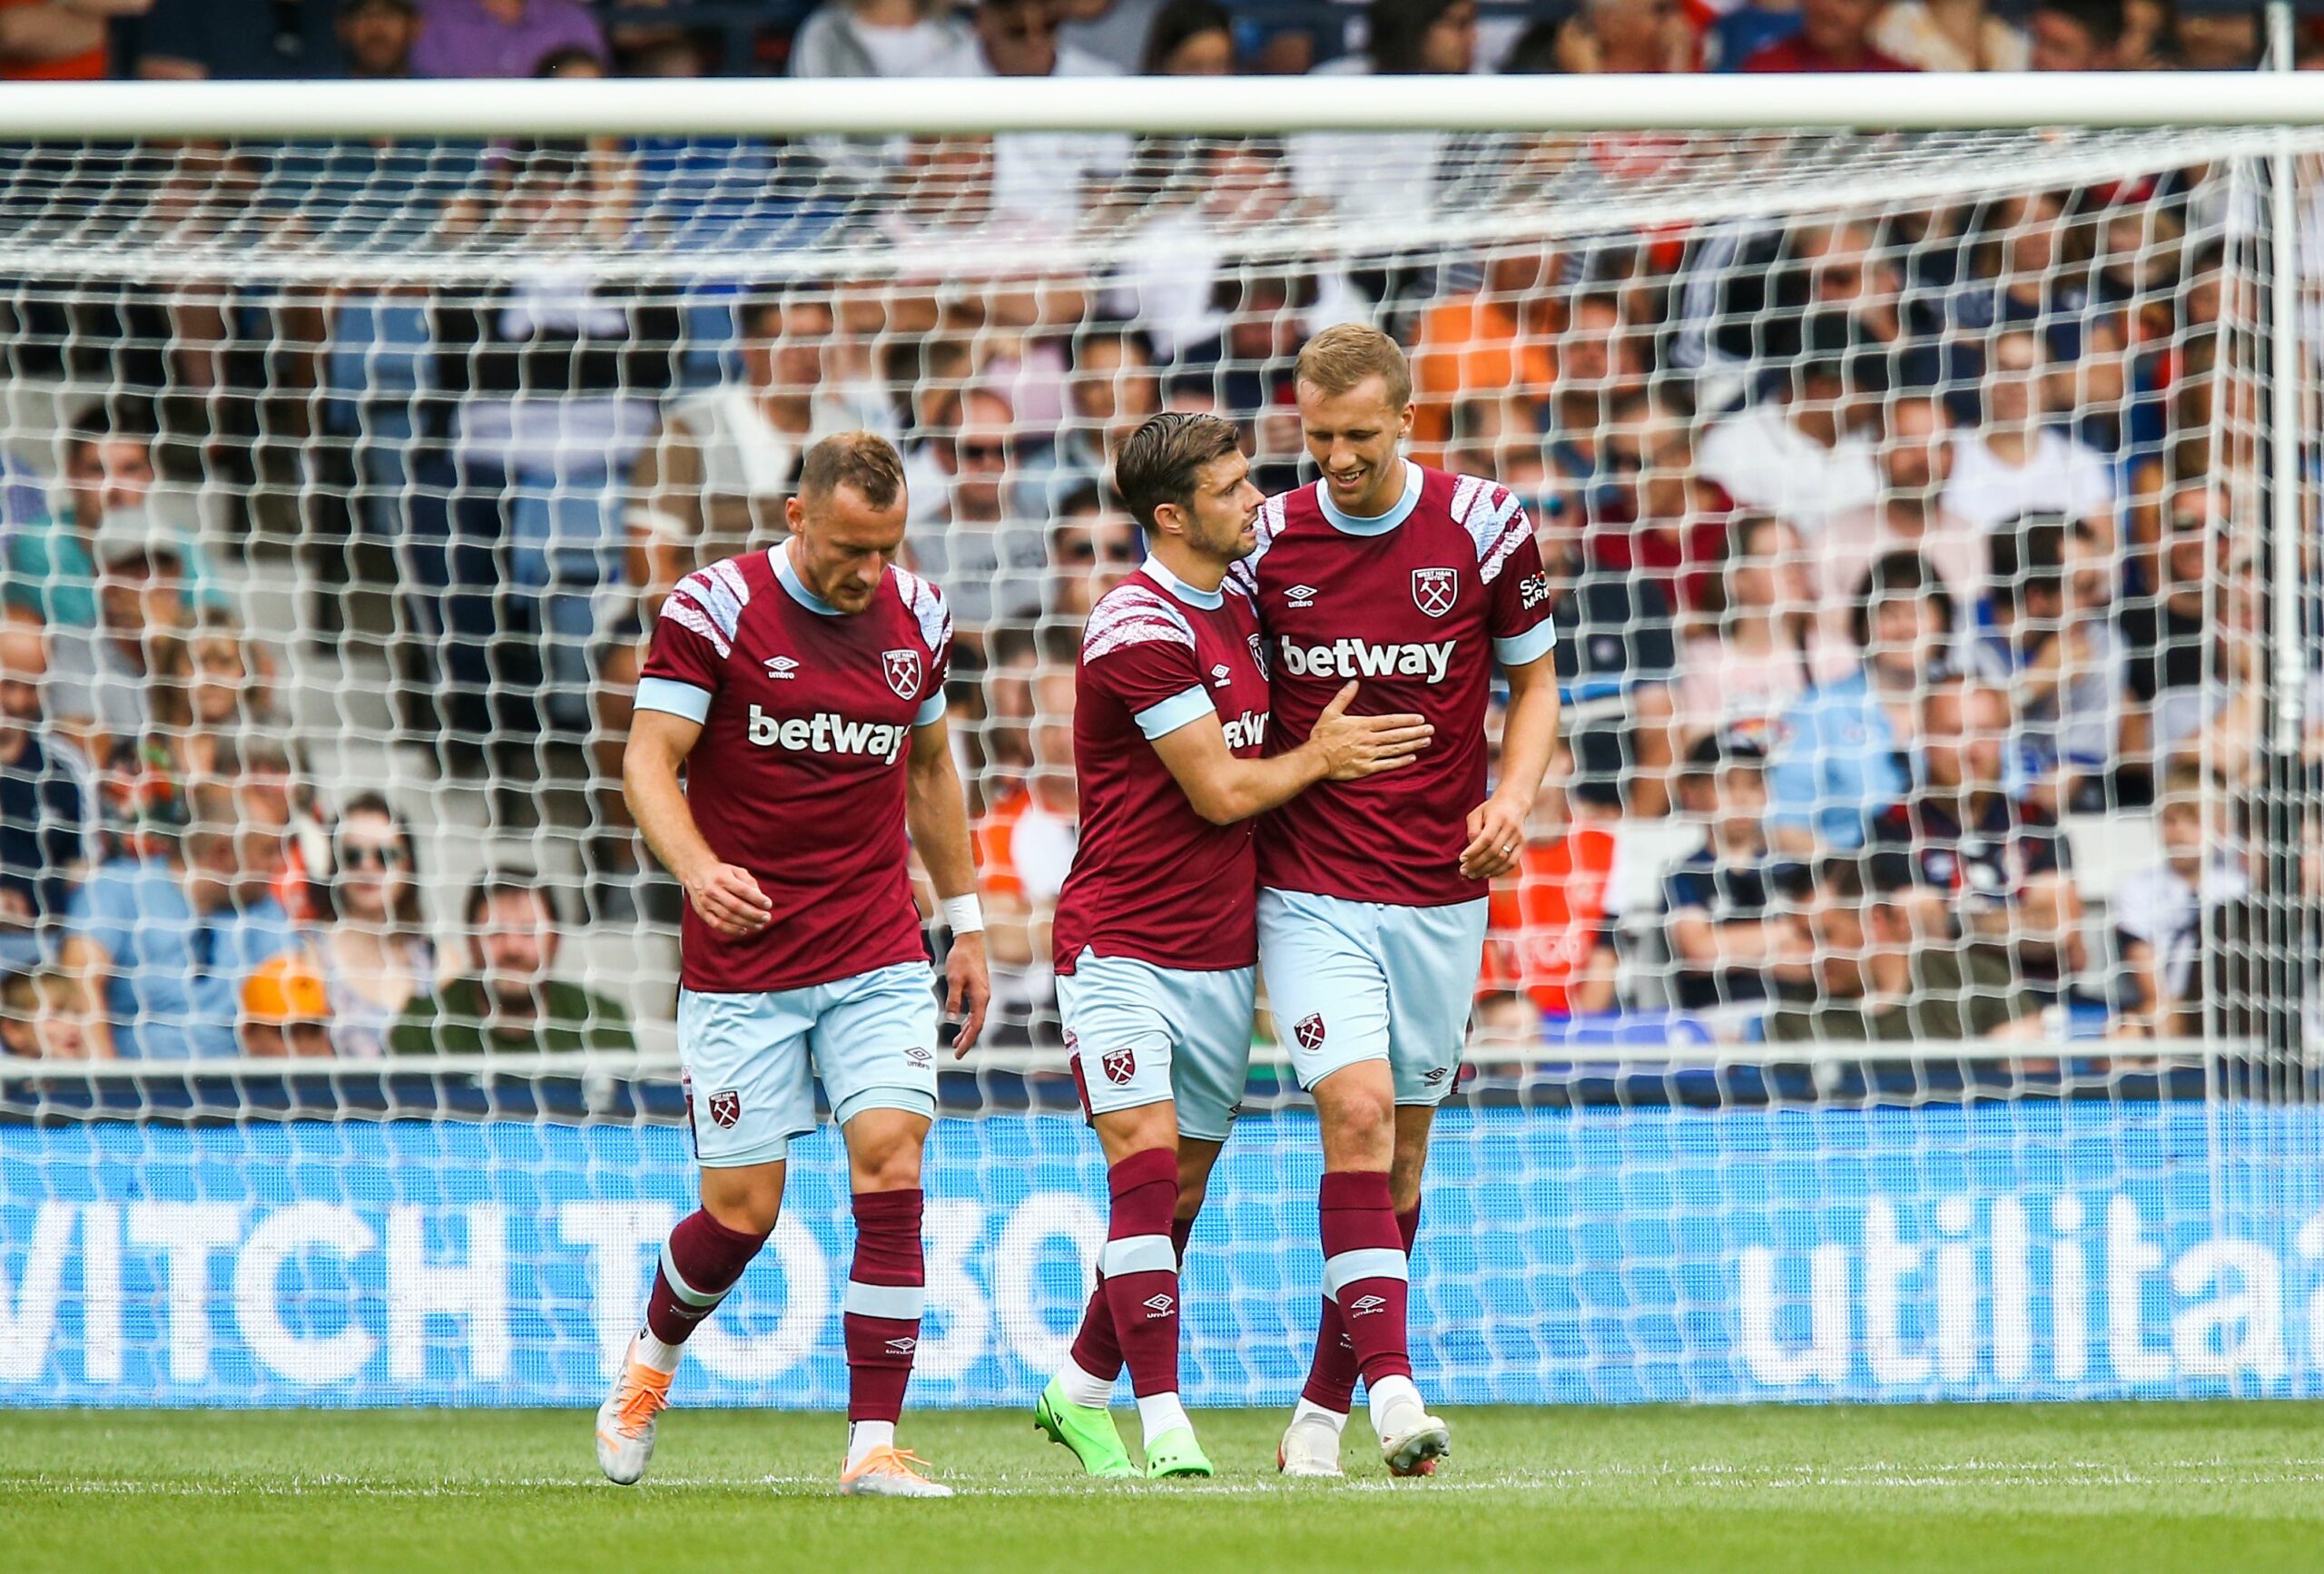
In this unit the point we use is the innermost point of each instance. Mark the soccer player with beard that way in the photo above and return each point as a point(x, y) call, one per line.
point(801, 691)
point(1155, 932)
point(1372, 893)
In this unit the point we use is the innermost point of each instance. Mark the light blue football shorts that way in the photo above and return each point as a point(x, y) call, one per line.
point(750, 1061)
point(1370, 981)
point(1141, 1034)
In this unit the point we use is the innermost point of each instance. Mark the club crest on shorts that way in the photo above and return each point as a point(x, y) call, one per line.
point(1310, 1030)
point(901, 669)
point(726, 1106)
point(1119, 1066)
point(1434, 590)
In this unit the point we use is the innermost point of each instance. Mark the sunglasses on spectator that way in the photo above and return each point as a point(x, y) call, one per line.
point(359, 855)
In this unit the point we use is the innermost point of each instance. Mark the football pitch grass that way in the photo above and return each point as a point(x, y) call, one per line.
point(2150, 1487)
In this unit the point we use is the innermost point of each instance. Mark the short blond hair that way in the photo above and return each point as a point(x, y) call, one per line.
point(1339, 359)
point(864, 460)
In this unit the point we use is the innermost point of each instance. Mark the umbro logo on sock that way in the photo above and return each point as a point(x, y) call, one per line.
point(1365, 1305)
point(1159, 1305)
point(904, 1346)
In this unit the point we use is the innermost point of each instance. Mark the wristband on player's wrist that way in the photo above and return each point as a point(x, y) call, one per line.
point(963, 915)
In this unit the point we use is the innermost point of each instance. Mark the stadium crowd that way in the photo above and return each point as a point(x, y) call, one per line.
point(1888, 550)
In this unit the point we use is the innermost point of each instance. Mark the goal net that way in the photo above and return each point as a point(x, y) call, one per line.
point(1909, 989)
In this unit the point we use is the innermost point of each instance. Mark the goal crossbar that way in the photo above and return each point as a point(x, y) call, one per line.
point(1183, 105)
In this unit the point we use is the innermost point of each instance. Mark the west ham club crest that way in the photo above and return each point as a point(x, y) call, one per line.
point(1120, 1065)
point(901, 669)
point(727, 1108)
point(1434, 590)
point(1310, 1031)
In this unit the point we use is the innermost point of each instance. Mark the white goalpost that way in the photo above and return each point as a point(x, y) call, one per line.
point(428, 390)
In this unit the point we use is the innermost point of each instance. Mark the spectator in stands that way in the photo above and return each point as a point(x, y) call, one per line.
point(1181, 278)
point(1833, 35)
point(107, 682)
point(1624, 37)
point(39, 1017)
point(876, 38)
point(1839, 761)
point(376, 38)
point(1792, 453)
point(1092, 549)
point(1949, 36)
point(52, 570)
point(1110, 392)
point(2161, 914)
point(2074, 34)
point(1909, 515)
point(469, 38)
point(1025, 843)
point(1883, 980)
point(1984, 861)
point(1736, 932)
point(970, 532)
point(60, 40)
point(159, 940)
point(2169, 636)
point(235, 40)
point(1498, 340)
point(286, 1008)
point(1617, 660)
point(1600, 367)
point(1744, 672)
point(1045, 174)
point(1185, 38)
point(372, 956)
point(44, 808)
point(2012, 463)
point(510, 1001)
point(2059, 657)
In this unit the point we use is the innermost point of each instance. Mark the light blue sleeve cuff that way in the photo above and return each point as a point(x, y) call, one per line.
point(1168, 716)
point(677, 699)
point(930, 709)
point(1530, 646)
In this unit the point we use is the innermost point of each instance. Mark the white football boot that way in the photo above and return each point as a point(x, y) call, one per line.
point(889, 1472)
point(1310, 1447)
point(1412, 1440)
point(625, 1421)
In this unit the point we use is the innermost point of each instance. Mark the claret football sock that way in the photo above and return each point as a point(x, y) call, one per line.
point(1096, 1358)
point(1330, 1376)
point(886, 1293)
point(700, 1262)
point(1140, 1264)
point(1364, 1269)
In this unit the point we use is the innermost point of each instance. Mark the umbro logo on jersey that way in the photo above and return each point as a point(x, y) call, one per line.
point(1221, 675)
point(780, 666)
point(1157, 1306)
point(1365, 1305)
point(1300, 595)
point(918, 1056)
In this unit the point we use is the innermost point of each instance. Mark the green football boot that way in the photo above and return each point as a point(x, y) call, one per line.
point(1175, 1453)
point(1088, 1432)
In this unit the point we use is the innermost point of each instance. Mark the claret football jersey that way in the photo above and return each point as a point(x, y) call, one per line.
point(1151, 879)
point(1416, 604)
point(799, 775)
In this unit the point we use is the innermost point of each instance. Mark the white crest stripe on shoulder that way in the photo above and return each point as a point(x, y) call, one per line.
point(1133, 631)
point(716, 601)
point(680, 609)
point(926, 604)
point(730, 575)
point(1519, 530)
point(1464, 494)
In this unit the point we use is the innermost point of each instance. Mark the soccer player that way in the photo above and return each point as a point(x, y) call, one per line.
point(1155, 932)
point(802, 691)
point(1372, 893)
